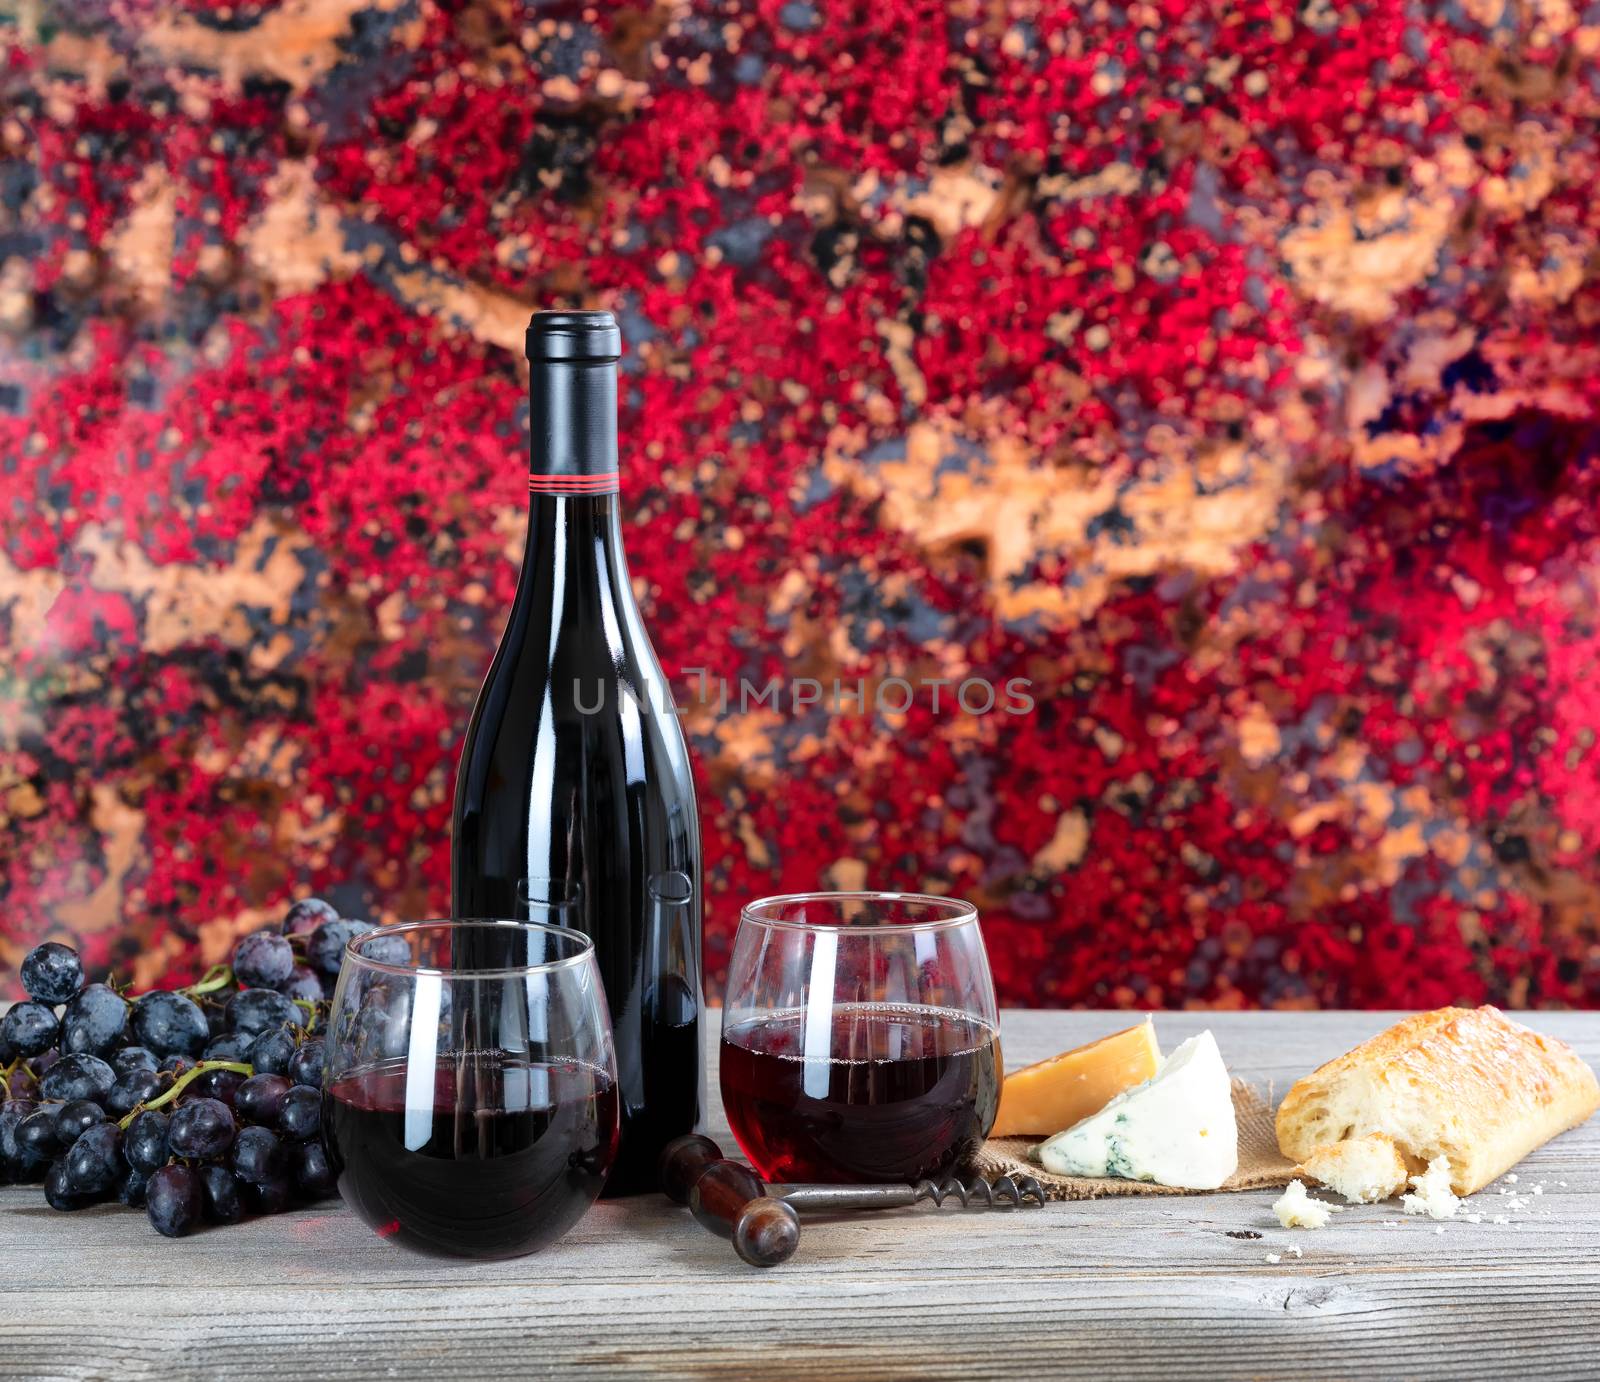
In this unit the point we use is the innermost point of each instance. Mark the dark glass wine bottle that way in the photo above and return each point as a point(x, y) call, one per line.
point(574, 776)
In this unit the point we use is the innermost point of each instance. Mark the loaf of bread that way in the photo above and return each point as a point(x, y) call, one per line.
point(1464, 1083)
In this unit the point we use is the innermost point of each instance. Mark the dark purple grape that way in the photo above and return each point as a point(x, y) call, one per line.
point(170, 1024)
point(174, 1200)
point(216, 1011)
point(52, 973)
point(271, 1053)
point(75, 1118)
point(234, 1046)
point(94, 1161)
point(313, 1174)
point(201, 1129)
point(176, 1064)
point(131, 1187)
point(145, 1142)
point(135, 1088)
point(221, 1085)
point(260, 1098)
point(8, 1052)
point(58, 1191)
point(44, 1060)
point(131, 1058)
point(22, 1083)
point(301, 1114)
point(15, 1161)
point(263, 960)
point(325, 947)
point(254, 1011)
point(222, 1201)
point(78, 1077)
point(387, 950)
point(306, 1066)
point(271, 1196)
point(95, 1021)
point(383, 1023)
point(30, 1028)
point(306, 915)
point(258, 1156)
point(303, 984)
point(36, 1133)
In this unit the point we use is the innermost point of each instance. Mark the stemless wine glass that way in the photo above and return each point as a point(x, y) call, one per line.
point(860, 1037)
point(470, 1090)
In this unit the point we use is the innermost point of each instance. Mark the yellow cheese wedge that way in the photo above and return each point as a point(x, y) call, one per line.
point(1043, 1099)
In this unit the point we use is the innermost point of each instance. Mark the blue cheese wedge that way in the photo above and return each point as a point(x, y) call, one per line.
point(1177, 1128)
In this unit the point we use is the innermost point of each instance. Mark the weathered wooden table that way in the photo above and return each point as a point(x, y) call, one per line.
point(1150, 1287)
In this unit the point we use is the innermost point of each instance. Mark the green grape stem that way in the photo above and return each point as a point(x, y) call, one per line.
point(181, 1083)
point(311, 1014)
point(218, 976)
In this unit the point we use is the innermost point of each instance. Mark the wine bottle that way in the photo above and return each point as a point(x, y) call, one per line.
point(574, 776)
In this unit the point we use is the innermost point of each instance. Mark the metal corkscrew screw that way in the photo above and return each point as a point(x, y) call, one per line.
point(1008, 1192)
point(763, 1221)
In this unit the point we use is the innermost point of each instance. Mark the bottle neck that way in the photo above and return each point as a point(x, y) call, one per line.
point(572, 417)
point(581, 532)
point(574, 554)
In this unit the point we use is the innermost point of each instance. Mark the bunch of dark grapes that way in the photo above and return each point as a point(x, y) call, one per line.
point(199, 1105)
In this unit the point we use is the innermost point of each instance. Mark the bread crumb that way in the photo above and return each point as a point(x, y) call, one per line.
point(1296, 1209)
point(1474, 1218)
point(1500, 1219)
point(1440, 1229)
point(1294, 1248)
point(1511, 1178)
point(1273, 1257)
point(1433, 1197)
point(1516, 1202)
point(1538, 1190)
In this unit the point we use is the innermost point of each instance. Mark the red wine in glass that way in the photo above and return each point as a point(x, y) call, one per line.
point(888, 1093)
point(499, 1158)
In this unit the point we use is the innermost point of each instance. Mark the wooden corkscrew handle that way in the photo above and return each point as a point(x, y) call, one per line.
point(682, 1161)
point(730, 1200)
point(766, 1232)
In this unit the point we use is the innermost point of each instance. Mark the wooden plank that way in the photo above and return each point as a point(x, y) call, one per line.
point(1116, 1288)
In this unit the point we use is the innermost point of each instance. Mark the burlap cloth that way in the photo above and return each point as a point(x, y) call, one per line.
point(1261, 1165)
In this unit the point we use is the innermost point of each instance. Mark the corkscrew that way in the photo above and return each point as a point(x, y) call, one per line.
point(763, 1221)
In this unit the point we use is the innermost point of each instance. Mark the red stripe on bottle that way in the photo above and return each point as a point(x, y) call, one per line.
point(573, 484)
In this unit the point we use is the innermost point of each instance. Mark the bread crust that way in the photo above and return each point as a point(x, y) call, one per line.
point(1465, 1083)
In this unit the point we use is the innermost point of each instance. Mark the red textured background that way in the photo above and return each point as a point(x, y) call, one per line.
point(1229, 371)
